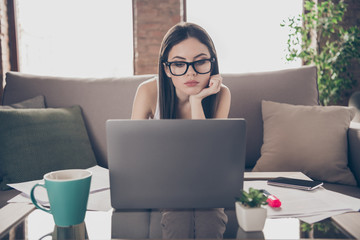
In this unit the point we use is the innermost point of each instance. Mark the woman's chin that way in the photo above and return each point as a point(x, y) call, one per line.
point(194, 92)
point(191, 91)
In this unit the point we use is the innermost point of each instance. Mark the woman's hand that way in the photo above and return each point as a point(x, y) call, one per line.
point(214, 87)
point(197, 111)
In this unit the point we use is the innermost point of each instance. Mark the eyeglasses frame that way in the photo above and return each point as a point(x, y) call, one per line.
point(212, 60)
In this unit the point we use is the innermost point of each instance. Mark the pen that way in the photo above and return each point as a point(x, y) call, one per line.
point(272, 200)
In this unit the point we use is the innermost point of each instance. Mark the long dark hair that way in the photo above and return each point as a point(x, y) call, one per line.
point(167, 94)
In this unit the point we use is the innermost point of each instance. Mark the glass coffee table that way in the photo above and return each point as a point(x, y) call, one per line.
point(111, 225)
point(23, 221)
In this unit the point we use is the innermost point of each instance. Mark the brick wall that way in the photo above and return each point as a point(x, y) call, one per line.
point(8, 48)
point(4, 44)
point(152, 19)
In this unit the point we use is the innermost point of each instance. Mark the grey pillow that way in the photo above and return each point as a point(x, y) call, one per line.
point(310, 139)
point(36, 141)
point(35, 102)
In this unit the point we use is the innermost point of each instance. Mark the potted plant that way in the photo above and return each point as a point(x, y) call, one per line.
point(250, 214)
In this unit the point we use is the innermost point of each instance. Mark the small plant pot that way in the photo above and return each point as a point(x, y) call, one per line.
point(250, 219)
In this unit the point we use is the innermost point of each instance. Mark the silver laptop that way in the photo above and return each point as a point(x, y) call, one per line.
point(175, 163)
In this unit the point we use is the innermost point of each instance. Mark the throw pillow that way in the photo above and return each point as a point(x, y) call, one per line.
point(36, 141)
point(35, 102)
point(310, 139)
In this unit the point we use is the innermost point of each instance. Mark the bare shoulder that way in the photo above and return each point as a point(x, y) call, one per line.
point(223, 102)
point(145, 100)
point(148, 87)
point(224, 92)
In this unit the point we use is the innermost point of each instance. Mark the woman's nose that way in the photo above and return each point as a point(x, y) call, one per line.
point(191, 71)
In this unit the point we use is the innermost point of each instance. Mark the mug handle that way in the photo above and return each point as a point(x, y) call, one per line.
point(33, 199)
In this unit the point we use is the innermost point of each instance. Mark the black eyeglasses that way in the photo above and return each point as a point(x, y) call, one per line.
point(179, 68)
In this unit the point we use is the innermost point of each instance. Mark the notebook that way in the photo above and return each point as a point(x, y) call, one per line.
point(175, 163)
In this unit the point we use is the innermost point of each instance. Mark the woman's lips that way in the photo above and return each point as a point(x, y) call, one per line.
point(191, 83)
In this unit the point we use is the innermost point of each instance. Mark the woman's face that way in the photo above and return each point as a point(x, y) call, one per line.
point(189, 50)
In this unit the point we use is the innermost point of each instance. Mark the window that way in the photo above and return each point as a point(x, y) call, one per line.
point(75, 38)
point(247, 34)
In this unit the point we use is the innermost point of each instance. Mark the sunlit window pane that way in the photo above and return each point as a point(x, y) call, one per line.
point(75, 37)
point(247, 34)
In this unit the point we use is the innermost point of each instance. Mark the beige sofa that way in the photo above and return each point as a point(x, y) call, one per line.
point(109, 98)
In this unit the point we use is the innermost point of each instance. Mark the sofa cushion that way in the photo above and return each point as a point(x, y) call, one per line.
point(310, 139)
point(294, 86)
point(351, 191)
point(100, 99)
point(36, 141)
point(35, 102)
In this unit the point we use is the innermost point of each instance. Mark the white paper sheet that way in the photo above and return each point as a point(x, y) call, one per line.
point(309, 206)
point(99, 198)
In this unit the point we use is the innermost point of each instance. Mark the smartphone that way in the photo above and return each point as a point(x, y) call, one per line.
point(295, 183)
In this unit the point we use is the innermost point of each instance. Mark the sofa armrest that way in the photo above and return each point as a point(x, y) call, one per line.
point(354, 150)
point(354, 102)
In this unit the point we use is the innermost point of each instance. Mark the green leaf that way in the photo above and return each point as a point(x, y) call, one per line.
point(333, 50)
point(253, 198)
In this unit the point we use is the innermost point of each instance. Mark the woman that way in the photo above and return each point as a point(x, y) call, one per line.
point(188, 87)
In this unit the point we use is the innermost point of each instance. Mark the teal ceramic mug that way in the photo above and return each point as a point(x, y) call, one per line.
point(68, 192)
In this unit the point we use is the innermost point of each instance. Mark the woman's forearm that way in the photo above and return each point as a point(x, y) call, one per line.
point(197, 111)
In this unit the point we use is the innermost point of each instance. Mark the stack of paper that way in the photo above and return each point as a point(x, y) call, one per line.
point(308, 206)
point(99, 198)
